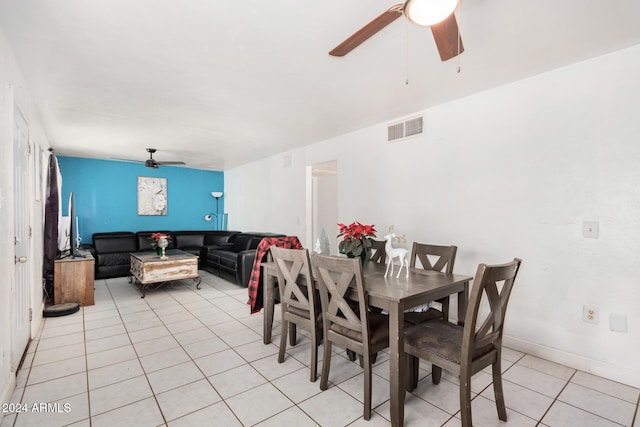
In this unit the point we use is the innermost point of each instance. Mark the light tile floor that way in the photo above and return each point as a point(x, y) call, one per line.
point(187, 357)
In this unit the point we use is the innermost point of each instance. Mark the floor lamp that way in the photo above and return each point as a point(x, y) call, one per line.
point(216, 195)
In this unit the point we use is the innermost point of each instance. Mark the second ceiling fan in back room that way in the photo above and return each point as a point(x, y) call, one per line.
point(437, 14)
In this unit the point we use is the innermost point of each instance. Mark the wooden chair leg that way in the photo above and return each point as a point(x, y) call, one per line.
point(352, 357)
point(293, 337)
point(326, 365)
point(283, 340)
point(367, 388)
point(268, 312)
point(465, 400)
point(413, 367)
point(436, 374)
point(314, 355)
point(498, 391)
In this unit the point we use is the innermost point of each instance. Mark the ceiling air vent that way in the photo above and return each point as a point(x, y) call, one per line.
point(405, 129)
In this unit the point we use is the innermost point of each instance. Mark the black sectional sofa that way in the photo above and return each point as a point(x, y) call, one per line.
point(234, 259)
point(229, 254)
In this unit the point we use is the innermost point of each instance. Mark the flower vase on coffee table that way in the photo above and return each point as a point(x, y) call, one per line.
point(163, 243)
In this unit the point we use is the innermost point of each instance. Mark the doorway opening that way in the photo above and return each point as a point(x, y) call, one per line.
point(322, 207)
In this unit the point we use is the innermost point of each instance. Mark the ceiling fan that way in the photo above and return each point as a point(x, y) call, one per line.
point(443, 27)
point(153, 163)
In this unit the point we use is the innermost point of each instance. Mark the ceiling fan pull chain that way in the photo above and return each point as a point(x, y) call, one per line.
point(406, 52)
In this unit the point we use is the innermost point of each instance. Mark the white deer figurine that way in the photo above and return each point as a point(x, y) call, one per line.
point(393, 253)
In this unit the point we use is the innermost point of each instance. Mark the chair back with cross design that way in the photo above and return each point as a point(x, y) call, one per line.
point(466, 350)
point(360, 330)
point(298, 302)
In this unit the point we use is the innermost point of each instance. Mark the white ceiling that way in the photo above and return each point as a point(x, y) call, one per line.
point(217, 84)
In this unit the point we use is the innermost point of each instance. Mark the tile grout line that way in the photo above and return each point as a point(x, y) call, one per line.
point(222, 399)
point(635, 414)
point(181, 346)
point(585, 410)
point(555, 399)
point(164, 418)
point(185, 301)
point(86, 366)
point(294, 404)
point(26, 380)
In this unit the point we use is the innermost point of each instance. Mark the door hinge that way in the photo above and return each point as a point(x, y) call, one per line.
point(30, 232)
point(30, 314)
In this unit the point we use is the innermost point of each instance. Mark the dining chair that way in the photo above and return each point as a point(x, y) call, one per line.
point(378, 254)
point(361, 331)
point(466, 350)
point(435, 258)
point(298, 301)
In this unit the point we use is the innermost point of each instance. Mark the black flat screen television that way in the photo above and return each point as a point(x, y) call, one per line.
point(74, 236)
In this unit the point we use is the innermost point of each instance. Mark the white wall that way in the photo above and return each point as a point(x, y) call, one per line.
point(509, 172)
point(12, 90)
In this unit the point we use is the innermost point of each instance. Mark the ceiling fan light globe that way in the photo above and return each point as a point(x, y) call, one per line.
point(428, 12)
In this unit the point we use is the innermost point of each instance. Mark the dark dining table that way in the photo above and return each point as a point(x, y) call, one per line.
point(394, 295)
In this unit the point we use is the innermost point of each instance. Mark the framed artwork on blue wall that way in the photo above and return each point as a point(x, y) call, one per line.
point(152, 196)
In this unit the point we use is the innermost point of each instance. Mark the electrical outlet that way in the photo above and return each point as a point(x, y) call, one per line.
point(590, 314)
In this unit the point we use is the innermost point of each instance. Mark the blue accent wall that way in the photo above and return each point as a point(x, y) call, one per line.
point(105, 196)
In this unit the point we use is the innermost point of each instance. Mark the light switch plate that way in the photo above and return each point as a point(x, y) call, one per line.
point(618, 322)
point(590, 229)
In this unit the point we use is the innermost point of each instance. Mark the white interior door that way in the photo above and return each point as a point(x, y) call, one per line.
point(20, 327)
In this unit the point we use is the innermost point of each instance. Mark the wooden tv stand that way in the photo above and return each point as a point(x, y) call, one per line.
point(73, 280)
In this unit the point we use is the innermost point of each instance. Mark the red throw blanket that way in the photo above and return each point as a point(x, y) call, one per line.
point(255, 285)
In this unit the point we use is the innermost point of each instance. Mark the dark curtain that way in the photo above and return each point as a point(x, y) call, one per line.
point(51, 227)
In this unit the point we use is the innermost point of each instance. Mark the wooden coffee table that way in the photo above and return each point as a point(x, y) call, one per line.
point(150, 269)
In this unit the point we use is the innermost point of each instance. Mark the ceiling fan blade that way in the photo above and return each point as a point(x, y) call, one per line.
point(367, 31)
point(126, 160)
point(170, 163)
point(150, 163)
point(447, 38)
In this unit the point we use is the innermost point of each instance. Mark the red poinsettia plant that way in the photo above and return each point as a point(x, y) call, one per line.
point(356, 238)
point(156, 237)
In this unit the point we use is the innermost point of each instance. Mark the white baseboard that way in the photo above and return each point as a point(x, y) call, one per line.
point(617, 373)
point(9, 386)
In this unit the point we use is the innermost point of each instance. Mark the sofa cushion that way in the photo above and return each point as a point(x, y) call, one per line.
point(242, 242)
point(122, 241)
point(112, 259)
point(109, 271)
point(257, 238)
point(186, 239)
point(219, 237)
point(228, 259)
point(144, 239)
